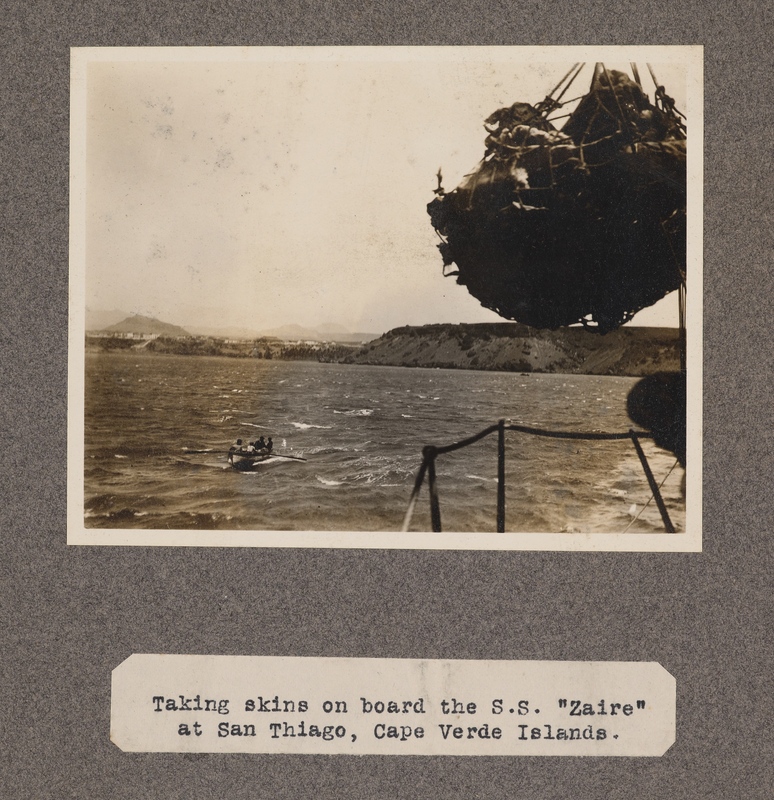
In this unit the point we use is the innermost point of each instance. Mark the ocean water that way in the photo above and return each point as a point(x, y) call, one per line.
point(361, 429)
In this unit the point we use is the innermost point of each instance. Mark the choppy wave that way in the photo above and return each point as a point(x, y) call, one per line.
point(174, 437)
point(326, 482)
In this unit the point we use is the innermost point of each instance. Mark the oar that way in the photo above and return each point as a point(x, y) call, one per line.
point(193, 450)
point(280, 455)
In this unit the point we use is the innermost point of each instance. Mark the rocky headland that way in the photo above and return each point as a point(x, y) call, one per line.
point(510, 346)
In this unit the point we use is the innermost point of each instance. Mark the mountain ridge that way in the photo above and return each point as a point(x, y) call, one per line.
point(100, 321)
point(139, 324)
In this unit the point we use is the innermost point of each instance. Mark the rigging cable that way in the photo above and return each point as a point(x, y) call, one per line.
point(651, 497)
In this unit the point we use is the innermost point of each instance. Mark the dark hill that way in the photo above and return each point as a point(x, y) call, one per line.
point(146, 326)
point(515, 347)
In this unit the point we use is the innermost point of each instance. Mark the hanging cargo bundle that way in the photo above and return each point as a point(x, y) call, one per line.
point(580, 225)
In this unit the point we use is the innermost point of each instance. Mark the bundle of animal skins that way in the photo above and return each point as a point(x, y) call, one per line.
point(584, 224)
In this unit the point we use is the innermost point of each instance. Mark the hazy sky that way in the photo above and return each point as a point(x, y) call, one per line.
point(268, 189)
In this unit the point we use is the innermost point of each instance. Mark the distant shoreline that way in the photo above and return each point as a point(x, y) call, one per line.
point(268, 349)
point(507, 347)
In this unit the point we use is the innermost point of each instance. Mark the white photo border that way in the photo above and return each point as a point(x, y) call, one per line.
point(77, 534)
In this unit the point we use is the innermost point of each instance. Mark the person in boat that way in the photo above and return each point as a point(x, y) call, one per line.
point(270, 445)
point(251, 447)
point(235, 448)
point(260, 445)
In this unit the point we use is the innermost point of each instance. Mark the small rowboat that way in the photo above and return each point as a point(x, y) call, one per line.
point(245, 462)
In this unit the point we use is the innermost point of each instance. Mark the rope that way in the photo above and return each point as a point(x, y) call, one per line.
point(414, 495)
point(435, 506)
point(653, 486)
point(592, 436)
point(589, 435)
point(549, 103)
point(682, 329)
point(653, 76)
point(465, 442)
point(431, 452)
point(651, 497)
point(666, 103)
point(577, 65)
point(623, 120)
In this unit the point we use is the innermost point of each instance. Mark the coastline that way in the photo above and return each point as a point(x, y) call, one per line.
point(502, 347)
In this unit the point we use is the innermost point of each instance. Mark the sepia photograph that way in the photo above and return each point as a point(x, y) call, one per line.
point(413, 297)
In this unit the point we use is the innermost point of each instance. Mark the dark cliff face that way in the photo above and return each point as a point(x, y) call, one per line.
point(515, 347)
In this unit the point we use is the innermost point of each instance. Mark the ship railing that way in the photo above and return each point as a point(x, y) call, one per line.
point(431, 452)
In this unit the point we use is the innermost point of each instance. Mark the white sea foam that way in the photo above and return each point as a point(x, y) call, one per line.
point(356, 412)
point(304, 426)
point(117, 456)
point(326, 482)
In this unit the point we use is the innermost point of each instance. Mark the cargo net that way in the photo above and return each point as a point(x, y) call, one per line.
point(585, 224)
